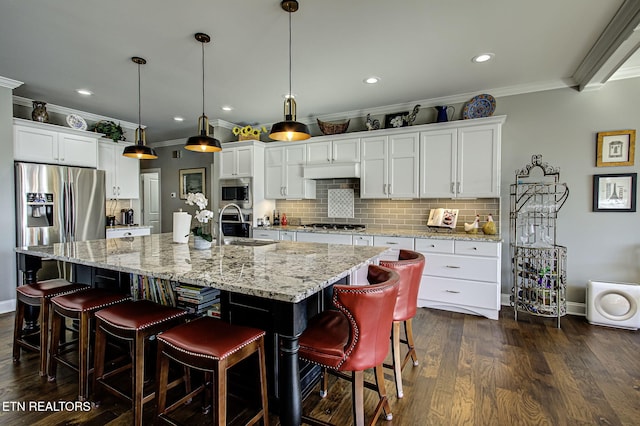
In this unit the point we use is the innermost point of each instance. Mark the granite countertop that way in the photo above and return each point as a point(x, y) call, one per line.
point(394, 233)
point(286, 271)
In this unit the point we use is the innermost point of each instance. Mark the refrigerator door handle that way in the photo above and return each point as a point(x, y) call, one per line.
point(72, 214)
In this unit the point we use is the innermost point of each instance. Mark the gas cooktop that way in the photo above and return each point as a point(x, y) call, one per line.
point(335, 226)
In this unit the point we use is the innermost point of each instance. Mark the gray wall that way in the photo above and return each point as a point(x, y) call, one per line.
point(170, 178)
point(7, 218)
point(562, 125)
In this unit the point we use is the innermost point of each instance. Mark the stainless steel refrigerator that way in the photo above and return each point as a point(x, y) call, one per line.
point(58, 204)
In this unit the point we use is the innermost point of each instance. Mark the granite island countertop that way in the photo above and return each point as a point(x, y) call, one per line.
point(442, 235)
point(286, 271)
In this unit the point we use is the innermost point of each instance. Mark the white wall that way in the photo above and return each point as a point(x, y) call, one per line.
point(562, 125)
point(7, 218)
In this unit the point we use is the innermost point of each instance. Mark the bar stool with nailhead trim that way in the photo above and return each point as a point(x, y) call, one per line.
point(80, 305)
point(409, 266)
point(38, 294)
point(354, 337)
point(213, 346)
point(134, 322)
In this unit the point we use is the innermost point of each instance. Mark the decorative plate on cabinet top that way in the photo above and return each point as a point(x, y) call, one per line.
point(479, 106)
point(76, 122)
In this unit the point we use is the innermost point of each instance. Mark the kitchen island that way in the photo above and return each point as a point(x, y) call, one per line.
point(276, 287)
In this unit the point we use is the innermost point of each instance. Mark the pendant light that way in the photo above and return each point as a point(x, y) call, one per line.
point(289, 129)
point(203, 142)
point(140, 150)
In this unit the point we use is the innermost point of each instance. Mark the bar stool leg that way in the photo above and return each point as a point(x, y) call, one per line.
point(56, 329)
point(408, 331)
point(263, 383)
point(17, 330)
point(138, 378)
point(162, 379)
point(220, 394)
point(83, 356)
point(98, 363)
point(395, 352)
point(44, 336)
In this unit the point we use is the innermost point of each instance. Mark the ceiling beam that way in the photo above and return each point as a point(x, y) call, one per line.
point(615, 45)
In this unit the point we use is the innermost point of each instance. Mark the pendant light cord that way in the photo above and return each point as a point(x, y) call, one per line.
point(139, 141)
point(202, 44)
point(290, 54)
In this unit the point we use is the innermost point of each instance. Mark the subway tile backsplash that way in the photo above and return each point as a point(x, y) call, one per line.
point(387, 214)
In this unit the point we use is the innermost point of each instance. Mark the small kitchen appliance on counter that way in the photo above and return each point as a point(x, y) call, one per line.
point(126, 217)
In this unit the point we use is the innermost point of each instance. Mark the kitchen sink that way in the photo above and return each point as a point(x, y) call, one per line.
point(249, 242)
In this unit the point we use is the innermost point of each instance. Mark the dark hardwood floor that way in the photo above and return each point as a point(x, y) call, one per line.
point(473, 371)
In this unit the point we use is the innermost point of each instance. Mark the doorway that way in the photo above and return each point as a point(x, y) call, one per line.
point(150, 204)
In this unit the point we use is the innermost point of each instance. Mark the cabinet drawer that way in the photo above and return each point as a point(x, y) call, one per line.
point(120, 233)
point(266, 234)
point(459, 293)
point(394, 243)
point(462, 267)
point(428, 245)
point(477, 248)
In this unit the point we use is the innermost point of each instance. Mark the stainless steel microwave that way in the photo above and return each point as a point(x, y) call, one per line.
point(237, 191)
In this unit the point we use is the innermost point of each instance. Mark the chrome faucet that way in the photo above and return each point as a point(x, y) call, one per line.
point(220, 234)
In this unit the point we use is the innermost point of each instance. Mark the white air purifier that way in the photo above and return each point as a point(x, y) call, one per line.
point(613, 304)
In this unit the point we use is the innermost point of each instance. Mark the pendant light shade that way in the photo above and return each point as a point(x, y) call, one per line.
point(289, 129)
point(202, 142)
point(140, 150)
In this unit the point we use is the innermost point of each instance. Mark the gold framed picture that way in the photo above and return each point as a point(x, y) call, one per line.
point(616, 148)
point(192, 180)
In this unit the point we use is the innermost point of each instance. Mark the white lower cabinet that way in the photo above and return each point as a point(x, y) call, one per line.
point(311, 237)
point(125, 232)
point(395, 243)
point(460, 276)
point(287, 236)
point(266, 234)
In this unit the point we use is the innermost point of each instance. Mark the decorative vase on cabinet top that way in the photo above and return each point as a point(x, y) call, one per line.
point(443, 111)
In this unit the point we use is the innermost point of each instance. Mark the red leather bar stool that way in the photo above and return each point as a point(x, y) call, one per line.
point(134, 322)
point(37, 294)
point(213, 346)
point(409, 266)
point(355, 337)
point(80, 305)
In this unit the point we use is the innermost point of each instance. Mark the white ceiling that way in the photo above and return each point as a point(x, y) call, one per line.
point(421, 49)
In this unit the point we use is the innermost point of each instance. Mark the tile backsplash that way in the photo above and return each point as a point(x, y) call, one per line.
point(390, 214)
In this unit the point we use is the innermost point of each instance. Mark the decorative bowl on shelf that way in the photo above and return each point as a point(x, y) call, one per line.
point(332, 128)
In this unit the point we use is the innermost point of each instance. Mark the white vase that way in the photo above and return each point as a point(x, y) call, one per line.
point(200, 243)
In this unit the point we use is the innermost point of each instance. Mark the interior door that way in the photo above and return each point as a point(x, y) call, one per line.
point(151, 215)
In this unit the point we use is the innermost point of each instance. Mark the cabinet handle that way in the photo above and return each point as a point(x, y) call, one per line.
point(126, 234)
point(452, 291)
point(452, 187)
point(328, 160)
point(433, 245)
point(391, 242)
point(473, 248)
point(452, 267)
point(114, 191)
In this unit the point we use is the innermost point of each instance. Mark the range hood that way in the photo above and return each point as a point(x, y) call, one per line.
point(332, 171)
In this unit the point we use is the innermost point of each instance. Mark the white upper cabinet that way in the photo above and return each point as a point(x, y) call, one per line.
point(236, 162)
point(284, 173)
point(47, 143)
point(461, 162)
point(122, 174)
point(390, 166)
point(333, 151)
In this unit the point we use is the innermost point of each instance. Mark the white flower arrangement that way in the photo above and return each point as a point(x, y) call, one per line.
point(202, 216)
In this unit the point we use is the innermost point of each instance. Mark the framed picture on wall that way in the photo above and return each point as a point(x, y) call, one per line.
point(192, 180)
point(615, 192)
point(616, 148)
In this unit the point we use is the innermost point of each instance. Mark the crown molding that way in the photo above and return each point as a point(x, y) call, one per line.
point(212, 123)
point(10, 83)
point(445, 100)
point(18, 100)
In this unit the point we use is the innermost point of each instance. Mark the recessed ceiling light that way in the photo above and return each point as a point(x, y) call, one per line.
point(178, 118)
point(226, 108)
point(85, 92)
point(484, 57)
point(371, 80)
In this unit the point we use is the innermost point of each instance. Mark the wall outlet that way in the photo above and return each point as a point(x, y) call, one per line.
point(173, 195)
